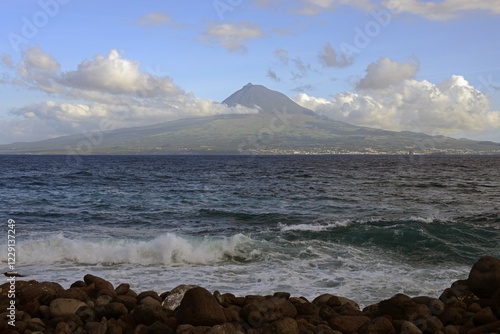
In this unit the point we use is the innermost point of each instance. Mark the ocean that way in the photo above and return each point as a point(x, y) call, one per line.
point(360, 226)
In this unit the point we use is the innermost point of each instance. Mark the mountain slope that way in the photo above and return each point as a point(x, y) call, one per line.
point(281, 126)
point(268, 101)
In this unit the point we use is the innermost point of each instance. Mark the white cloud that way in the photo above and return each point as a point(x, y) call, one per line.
point(453, 106)
point(331, 58)
point(231, 36)
point(109, 88)
point(38, 70)
point(115, 75)
point(314, 7)
point(386, 72)
point(442, 10)
point(154, 19)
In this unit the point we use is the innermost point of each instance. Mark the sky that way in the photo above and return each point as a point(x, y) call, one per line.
point(71, 66)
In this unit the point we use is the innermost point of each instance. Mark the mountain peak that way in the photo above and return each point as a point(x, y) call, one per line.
point(266, 100)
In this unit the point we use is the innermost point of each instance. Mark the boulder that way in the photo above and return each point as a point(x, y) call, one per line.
point(174, 297)
point(45, 292)
point(150, 301)
point(380, 325)
point(62, 307)
point(282, 326)
point(484, 316)
point(99, 283)
point(74, 293)
point(152, 294)
point(122, 289)
point(399, 307)
point(200, 308)
point(149, 314)
point(484, 277)
point(111, 310)
point(348, 324)
point(407, 327)
point(159, 328)
point(267, 310)
point(129, 302)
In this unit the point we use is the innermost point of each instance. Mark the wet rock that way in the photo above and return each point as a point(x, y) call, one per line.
point(36, 324)
point(74, 293)
point(160, 328)
point(63, 306)
point(399, 307)
point(285, 295)
point(45, 292)
point(63, 328)
point(348, 324)
point(111, 310)
point(378, 325)
point(129, 302)
point(86, 313)
point(325, 329)
point(484, 316)
point(200, 308)
point(122, 289)
point(307, 309)
point(103, 300)
point(452, 316)
point(152, 294)
point(282, 326)
point(484, 277)
point(262, 311)
point(407, 327)
point(232, 313)
point(149, 314)
point(96, 327)
point(149, 301)
point(174, 297)
point(99, 283)
point(226, 328)
point(450, 329)
point(327, 313)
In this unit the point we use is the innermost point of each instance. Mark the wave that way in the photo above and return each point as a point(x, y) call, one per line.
point(167, 249)
point(315, 227)
point(326, 226)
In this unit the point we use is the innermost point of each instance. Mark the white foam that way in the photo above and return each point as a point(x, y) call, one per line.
point(315, 227)
point(165, 249)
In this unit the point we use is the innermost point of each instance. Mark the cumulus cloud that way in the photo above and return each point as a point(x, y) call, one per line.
point(38, 70)
point(443, 10)
point(329, 57)
point(109, 88)
point(154, 19)
point(231, 36)
point(450, 107)
point(386, 72)
point(115, 75)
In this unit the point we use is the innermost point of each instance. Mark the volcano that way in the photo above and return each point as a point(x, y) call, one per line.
point(281, 126)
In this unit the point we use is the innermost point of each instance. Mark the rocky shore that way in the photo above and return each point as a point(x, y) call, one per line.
point(95, 306)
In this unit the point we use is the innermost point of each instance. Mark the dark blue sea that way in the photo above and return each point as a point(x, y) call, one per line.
point(363, 227)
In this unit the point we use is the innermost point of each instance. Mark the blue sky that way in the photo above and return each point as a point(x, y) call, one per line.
point(67, 66)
